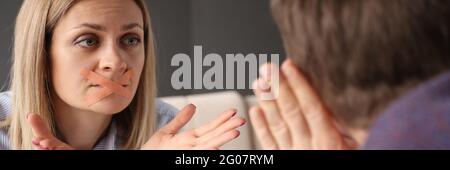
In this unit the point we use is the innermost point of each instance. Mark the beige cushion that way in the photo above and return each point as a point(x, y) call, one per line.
point(211, 105)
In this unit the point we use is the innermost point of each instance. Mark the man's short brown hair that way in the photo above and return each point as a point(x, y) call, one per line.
point(362, 54)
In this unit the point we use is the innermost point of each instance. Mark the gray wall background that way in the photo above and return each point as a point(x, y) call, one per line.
point(220, 26)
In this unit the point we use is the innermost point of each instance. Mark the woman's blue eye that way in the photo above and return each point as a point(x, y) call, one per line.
point(89, 42)
point(131, 41)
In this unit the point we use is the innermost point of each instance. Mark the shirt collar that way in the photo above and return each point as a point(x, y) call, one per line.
point(109, 141)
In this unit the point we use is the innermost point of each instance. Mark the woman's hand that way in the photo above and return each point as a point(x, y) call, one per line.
point(43, 138)
point(210, 136)
point(297, 118)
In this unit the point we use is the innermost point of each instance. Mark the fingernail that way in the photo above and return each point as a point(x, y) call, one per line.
point(192, 105)
point(237, 134)
point(287, 68)
point(234, 113)
point(243, 122)
point(263, 85)
point(28, 115)
point(255, 84)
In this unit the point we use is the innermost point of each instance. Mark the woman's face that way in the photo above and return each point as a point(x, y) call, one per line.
point(103, 36)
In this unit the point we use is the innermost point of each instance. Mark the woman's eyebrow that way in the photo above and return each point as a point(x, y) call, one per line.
point(101, 28)
point(93, 26)
point(131, 26)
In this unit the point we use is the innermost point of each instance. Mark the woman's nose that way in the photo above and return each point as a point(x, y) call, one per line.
point(112, 62)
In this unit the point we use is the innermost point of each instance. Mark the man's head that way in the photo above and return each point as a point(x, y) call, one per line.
point(363, 54)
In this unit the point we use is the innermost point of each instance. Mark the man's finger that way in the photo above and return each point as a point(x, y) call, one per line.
point(277, 126)
point(261, 129)
point(291, 113)
point(319, 120)
point(180, 120)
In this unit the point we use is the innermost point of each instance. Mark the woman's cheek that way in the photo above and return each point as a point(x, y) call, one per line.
point(68, 88)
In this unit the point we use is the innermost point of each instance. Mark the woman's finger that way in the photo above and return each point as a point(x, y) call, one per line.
point(205, 148)
point(202, 130)
point(47, 144)
point(261, 129)
point(38, 126)
point(180, 120)
point(51, 143)
point(277, 126)
point(222, 139)
point(38, 147)
point(225, 127)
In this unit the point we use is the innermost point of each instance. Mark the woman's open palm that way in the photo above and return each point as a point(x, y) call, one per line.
point(209, 136)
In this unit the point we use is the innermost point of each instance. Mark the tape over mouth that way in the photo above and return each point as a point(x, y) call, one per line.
point(107, 86)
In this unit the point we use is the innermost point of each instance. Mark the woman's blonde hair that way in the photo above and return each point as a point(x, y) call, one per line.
point(31, 82)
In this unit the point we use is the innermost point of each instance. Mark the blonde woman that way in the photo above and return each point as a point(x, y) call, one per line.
point(46, 107)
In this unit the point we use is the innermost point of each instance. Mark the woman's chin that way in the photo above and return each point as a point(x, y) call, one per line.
point(110, 105)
